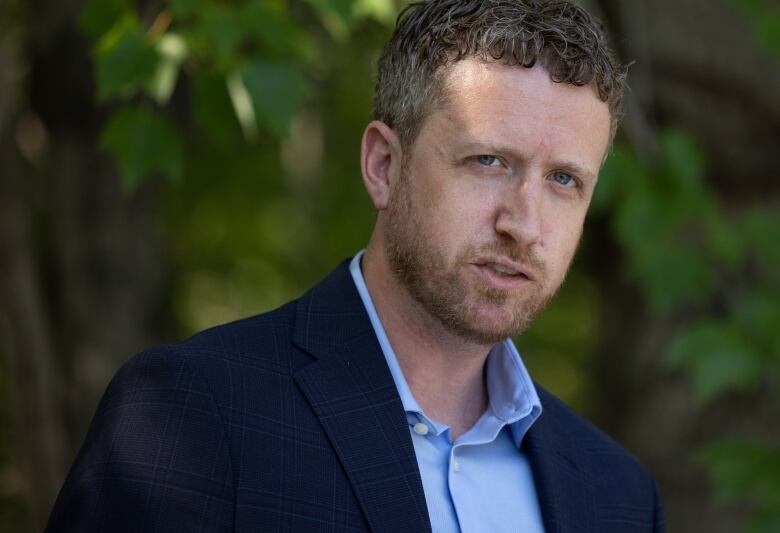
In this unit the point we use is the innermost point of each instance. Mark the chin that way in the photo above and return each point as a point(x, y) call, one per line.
point(488, 327)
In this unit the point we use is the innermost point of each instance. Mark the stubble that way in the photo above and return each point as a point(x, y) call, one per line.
point(446, 290)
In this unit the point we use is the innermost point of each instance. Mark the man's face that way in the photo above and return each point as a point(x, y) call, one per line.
point(484, 220)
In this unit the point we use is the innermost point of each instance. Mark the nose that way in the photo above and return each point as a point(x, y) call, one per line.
point(520, 211)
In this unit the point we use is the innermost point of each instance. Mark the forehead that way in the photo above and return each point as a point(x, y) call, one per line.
point(503, 104)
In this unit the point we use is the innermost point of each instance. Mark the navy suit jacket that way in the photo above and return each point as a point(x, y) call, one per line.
point(290, 421)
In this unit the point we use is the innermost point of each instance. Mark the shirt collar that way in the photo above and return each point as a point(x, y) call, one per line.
point(513, 397)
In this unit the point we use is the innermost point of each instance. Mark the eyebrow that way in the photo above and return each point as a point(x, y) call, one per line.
point(491, 148)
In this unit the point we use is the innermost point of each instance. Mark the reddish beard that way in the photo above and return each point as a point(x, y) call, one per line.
point(448, 291)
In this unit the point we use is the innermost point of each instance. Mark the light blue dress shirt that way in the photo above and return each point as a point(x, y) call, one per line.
point(482, 482)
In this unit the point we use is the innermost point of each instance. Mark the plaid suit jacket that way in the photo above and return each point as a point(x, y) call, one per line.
point(290, 421)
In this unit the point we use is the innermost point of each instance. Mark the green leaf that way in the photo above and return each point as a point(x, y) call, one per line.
point(336, 16)
point(383, 11)
point(276, 90)
point(724, 241)
point(768, 29)
point(214, 114)
point(759, 313)
point(98, 16)
point(222, 31)
point(622, 171)
point(718, 357)
point(760, 226)
point(672, 274)
point(643, 219)
point(764, 15)
point(766, 519)
point(126, 60)
point(683, 160)
point(664, 218)
point(185, 8)
point(740, 469)
point(271, 25)
point(143, 143)
point(670, 270)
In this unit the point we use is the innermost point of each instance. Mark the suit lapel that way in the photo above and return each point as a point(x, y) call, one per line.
point(353, 394)
point(561, 472)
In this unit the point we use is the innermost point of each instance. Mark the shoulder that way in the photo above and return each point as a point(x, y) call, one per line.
point(586, 437)
point(269, 341)
point(620, 485)
point(243, 338)
point(249, 361)
point(164, 432)
point(217, 360)
point(584, 432)
point(242, 341)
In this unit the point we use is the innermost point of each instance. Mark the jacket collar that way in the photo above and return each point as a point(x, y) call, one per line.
point(351, 391)
point(561, 471)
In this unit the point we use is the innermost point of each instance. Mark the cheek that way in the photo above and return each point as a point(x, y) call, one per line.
point(561, 233)
point(455, 204)
point(469, 217)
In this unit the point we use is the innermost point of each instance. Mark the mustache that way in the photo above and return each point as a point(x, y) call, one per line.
point(514, 253)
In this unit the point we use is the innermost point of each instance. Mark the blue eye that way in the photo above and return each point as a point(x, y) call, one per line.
point(564, 179)
point(488, 160)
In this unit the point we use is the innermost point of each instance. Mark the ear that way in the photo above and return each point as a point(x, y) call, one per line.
point(380, 161)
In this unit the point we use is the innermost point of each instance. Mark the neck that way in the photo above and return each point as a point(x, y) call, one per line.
point(444, 371)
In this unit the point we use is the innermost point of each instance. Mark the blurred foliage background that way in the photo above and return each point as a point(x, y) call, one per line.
point(167, 165)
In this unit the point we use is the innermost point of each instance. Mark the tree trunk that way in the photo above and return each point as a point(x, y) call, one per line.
point(82, 270)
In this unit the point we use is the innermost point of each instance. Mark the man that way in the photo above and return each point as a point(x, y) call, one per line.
point(389, 397)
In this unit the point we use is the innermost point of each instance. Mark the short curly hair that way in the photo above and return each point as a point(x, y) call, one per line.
point(562, 37)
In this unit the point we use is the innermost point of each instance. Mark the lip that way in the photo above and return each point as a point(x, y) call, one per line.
point(499, 281)
point(524, 272)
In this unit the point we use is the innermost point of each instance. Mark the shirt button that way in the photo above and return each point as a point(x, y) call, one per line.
point(420, 428)
point(455, 465)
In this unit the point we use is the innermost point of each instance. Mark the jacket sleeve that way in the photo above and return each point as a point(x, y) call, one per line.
point(156, 457)
point(660, 524)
